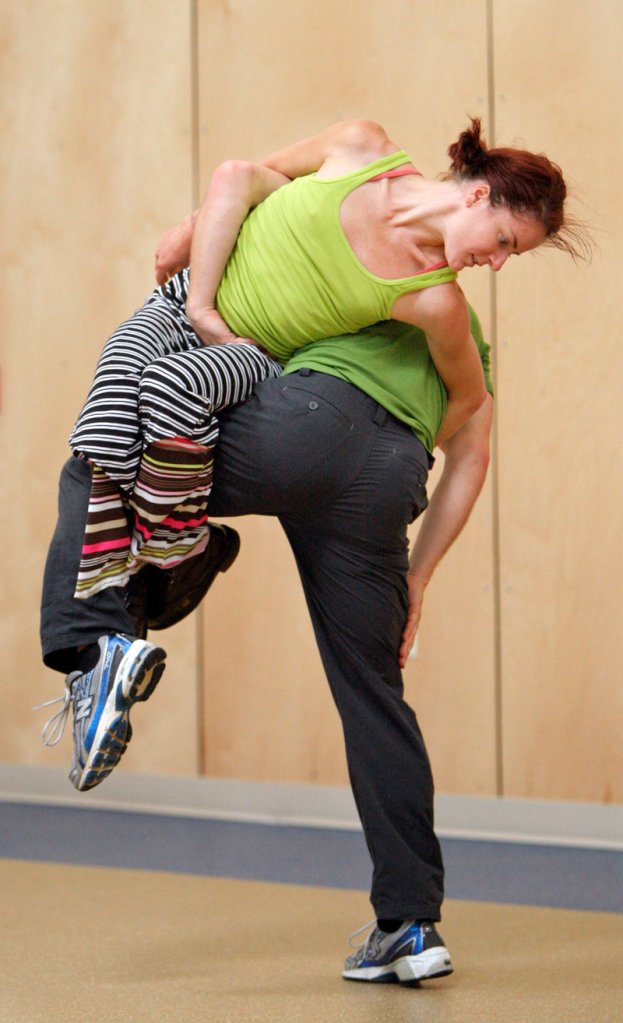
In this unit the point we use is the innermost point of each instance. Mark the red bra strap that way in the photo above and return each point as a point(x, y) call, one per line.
point(398, 172)
point(436, 266)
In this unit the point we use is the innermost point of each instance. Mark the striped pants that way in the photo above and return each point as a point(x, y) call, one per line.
point(148, 431)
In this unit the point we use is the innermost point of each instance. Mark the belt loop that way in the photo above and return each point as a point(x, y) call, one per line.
point(380, 416)
point(305, 371)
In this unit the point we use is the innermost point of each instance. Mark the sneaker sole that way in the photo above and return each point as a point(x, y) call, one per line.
point(138, 675)
point(433, 962)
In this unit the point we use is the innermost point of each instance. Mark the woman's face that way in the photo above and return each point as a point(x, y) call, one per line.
point(480, 234)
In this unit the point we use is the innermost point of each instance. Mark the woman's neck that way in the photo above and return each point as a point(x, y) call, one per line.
point(424, 206)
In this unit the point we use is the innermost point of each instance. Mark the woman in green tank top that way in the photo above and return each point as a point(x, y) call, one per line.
point(360, 236)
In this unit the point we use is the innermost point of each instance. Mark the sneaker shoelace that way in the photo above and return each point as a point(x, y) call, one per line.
point(54, 728)
point(370, 926)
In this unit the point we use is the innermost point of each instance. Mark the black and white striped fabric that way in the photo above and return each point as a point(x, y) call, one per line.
point(155, 379)
point(155, 382)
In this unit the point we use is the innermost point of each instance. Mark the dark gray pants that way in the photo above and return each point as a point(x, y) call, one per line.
point(345, 479)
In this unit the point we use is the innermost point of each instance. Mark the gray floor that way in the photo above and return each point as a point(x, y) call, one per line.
point(521, 874)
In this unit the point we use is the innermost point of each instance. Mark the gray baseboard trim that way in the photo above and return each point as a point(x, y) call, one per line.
point(475, 818)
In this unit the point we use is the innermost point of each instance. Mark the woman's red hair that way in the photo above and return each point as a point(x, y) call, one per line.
point(525, 182)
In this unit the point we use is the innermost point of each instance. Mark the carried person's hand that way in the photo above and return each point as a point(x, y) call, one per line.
point(173, 251)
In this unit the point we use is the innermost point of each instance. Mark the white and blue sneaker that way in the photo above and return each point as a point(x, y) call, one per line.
point(128, 670)
point(412, 953)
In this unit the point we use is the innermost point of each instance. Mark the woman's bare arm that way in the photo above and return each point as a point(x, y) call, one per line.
point(441, 312)
point(207, 237)
point(235, 188)
point(464, 472)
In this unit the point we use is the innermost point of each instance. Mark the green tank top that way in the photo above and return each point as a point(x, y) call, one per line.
point(391, 362)
point(293, 278)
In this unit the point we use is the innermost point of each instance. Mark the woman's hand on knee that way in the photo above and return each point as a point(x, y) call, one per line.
point(416, 599)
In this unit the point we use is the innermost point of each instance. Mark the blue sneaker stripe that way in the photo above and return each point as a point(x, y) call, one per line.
point(102, 728)
point(116, 648)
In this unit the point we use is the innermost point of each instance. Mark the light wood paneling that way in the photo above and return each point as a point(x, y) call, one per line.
point(269, 74)
point(97, 160)
point(268, 713)
point(96, 155)
point(558, 83)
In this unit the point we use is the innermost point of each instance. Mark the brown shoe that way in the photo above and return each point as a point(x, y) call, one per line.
point(161, 597)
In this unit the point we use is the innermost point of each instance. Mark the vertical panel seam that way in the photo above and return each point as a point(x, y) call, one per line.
point(194, 102)
point(495, 481)
point(194, 195)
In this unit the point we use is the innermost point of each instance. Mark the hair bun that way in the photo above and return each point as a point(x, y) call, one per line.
point(469, 153)
point(528, 184)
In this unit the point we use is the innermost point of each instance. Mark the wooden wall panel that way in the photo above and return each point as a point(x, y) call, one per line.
point(558, 77)
point(97, 160)
point(96, 153)
point(269, 74)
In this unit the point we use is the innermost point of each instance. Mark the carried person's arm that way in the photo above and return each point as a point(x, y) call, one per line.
point(464, 472)
point(441, 312)
point(173, 249)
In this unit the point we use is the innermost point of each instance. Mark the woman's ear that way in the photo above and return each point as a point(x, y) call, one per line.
point(478, 191)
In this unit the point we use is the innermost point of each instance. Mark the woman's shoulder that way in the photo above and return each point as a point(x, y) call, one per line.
point(443, 304)
point(364, 135)
point(357, 146)
point(357, 143)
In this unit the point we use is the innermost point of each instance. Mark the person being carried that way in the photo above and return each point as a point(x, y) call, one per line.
point(357, 237)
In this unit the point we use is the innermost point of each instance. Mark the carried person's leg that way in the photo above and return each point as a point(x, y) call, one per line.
point(95, 642)
point(175, 531)
point(108, 435)
point(68, 623)
point(170, 496)
point(94, 638)
point(162, 474)
point(108, 431)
